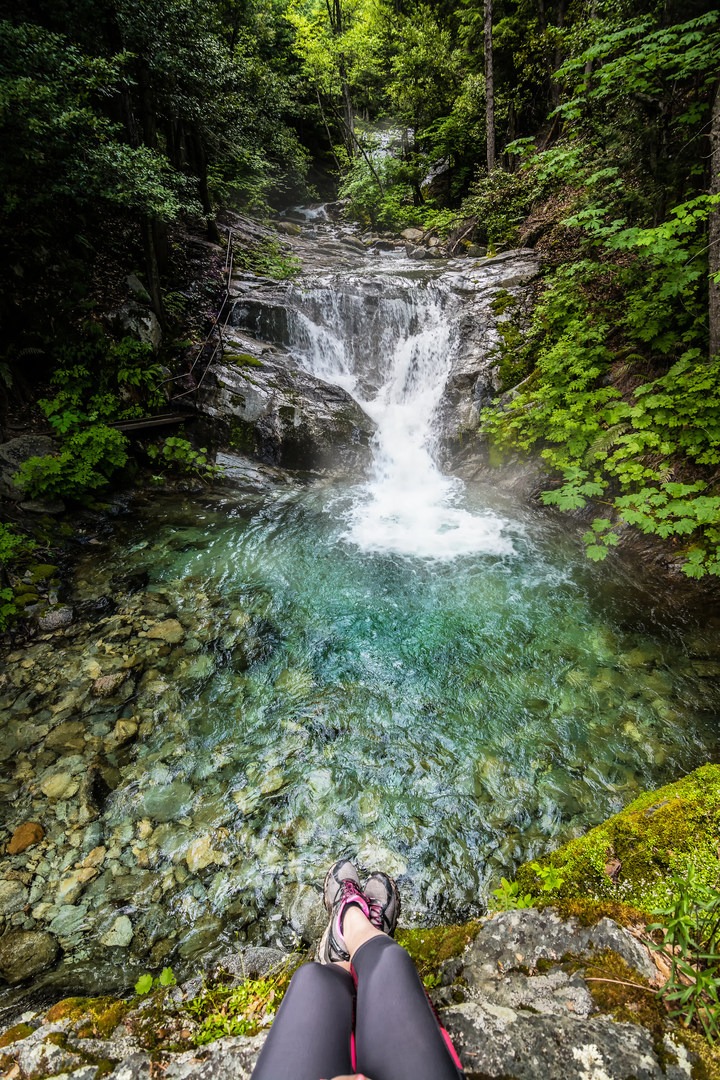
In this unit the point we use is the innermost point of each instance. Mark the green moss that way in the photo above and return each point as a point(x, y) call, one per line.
point(42, 572)
point(707, 1066)
point(430, 947)
point(243, 360)
point(660, 832)
point(15, 1034)
point(609, 977)
point(501, 302)
point(589, 912)
point(242, 437)
point(96, 1018)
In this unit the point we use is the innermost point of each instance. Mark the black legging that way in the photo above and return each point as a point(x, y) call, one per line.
point(396, 1034)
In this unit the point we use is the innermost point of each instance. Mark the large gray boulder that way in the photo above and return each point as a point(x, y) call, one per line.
point(526, 1016)
point(266, 405)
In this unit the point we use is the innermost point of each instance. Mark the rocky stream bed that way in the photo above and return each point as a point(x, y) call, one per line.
point(336, 647)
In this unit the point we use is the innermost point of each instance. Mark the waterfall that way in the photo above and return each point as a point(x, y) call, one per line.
point(388, 338)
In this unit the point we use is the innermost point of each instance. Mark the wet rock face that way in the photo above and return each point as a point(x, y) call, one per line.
point(473, 380)
point(284, 415)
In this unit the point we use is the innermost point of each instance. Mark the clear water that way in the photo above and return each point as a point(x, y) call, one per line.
point(441, 719)
point(427, 677)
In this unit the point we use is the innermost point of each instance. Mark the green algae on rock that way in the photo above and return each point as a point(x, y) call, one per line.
point(631, 857)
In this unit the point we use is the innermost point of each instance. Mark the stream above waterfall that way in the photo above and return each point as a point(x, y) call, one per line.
point(424, 674)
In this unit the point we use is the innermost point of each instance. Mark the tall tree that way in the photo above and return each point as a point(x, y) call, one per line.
point(714, 228)
point(489, 86)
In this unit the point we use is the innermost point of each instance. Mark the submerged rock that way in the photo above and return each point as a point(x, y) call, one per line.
point(25, 836)
point(24, 953)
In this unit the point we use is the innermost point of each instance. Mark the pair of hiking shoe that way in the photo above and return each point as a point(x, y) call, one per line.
point(378, 899)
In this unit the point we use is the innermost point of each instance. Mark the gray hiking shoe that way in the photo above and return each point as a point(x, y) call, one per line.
point(383, 897)
point(342, 888)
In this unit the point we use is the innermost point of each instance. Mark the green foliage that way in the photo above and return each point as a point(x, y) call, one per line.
point(243, 1010)
point(14, 546)
point(508, 895)
point(180, 455)
point(146, 983)
point(608, 430)
point(271, 258)
point(86, 462)
point(500, 202)
point(15, 549)
point(690, 927)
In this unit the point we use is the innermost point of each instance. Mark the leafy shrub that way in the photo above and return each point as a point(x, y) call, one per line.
point(501, 202)
point(180, 455)
point(14, 549)
point(146, 982)
point(690, 928)
point(86, 461)
point(243, 1010)
point(607, 418)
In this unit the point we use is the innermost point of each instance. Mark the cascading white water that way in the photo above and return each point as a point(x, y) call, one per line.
point(393, 352)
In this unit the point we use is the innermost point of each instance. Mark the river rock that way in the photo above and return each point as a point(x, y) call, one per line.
point(202, 936)
point(62, 785)
point(201, 854)
point(137, 321)
point(122, 733)
point(70, 735)
point(24, 953)
point(24, 837)
point(413, 235)
point(119, 935)
point(13, 897)
point(106, 685)
point(55, 619)
point(170, 630)
point(495, 1043)
point(521, 938)
point(167, 803)
point(71, 886)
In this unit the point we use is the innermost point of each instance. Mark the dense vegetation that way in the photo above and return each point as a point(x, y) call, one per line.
point(590, 128)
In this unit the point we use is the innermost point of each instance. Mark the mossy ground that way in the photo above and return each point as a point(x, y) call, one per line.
point(242, 360)
point(95, 1018)
point(662, 832)
point(430, 947)
point(240, 1010)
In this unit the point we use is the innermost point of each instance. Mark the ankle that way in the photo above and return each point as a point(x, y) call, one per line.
point(357, 929)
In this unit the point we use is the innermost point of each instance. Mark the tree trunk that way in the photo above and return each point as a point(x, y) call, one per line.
point(489, 87)
point(151, 267)
point(200, 169)
point(714, 228)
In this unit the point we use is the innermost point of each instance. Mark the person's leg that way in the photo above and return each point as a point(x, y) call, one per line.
point(310, 1036)
point(397, 1036)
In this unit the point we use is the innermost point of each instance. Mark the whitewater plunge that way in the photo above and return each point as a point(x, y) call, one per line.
point(388, 335)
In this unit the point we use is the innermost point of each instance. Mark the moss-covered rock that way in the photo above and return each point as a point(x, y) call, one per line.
point(430, 947)
point(15, 1034)
point(631, 857)
point(95, 1018)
